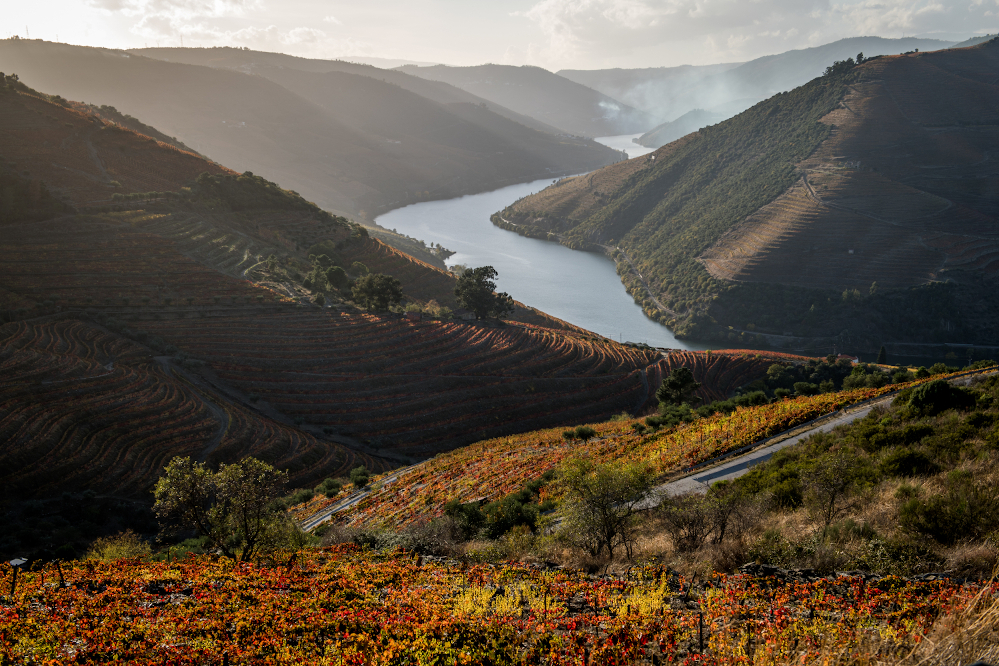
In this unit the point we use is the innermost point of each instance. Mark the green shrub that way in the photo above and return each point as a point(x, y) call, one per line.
point(906, 462)
point(966, 510)
point(585, 433)
point(938, 396)
point(329, 487)
point(360, 476)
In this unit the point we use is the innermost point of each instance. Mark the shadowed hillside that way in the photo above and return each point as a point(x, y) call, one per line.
point(858, 208)
point(270, 65)
point(252, 123)
point(668, 93)
point(186, 313)
point(538, 93)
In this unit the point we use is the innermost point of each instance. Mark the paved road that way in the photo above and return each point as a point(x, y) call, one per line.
point(349, 501)
point(700, 481)
point(736, 467)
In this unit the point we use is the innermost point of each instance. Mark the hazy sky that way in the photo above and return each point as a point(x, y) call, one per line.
point(582, 34)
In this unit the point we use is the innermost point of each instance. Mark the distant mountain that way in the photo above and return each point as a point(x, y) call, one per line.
point(644, 88)
point(386, 63)
point(269, 65)
point(681, 127)
point(550, 98)
point(255, 124)
point(973, 41)
point(669, 93)
point(855, 209)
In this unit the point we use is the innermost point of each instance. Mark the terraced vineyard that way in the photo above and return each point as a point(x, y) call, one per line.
point(105, 261)
point(352, 606)
point(84, 158)
point(84, 408)
point(417, 387)
point(496, 467)
point(720, 373)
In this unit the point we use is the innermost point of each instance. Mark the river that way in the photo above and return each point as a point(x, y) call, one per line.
point(579, 287)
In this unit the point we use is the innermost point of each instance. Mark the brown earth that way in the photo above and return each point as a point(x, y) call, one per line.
point(902, 192)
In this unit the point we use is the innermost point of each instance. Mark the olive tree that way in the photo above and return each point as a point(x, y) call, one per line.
point(233, 508)
point(475, 291)
point(599, 505)
point(376, 291)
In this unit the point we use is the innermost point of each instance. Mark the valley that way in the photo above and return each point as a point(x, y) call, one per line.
point(304, 360)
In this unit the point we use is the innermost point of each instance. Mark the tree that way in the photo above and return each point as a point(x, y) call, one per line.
point(882, 356)
point(234, 508)
point(376, 291)
point(829, 482)
point(337, 278)
point(360, 476)
point(475, 292)
point(678, 387)
point(599, 504)
point(357, 268)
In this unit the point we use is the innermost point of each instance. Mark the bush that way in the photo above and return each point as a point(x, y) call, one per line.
point(938, 396)
point(906, 462)
point(329, 487)
point(585, 433)
point(125, 544)
point(966, 510)
point(360, 476)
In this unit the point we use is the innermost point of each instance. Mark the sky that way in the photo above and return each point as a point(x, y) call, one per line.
point(555, 34)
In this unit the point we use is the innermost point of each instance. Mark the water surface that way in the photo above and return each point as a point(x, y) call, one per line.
point(579, 287)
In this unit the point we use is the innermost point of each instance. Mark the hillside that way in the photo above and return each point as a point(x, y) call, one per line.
point(270, 65)
point(852, 209)
point(201, 284)
point(552, 99)
point(651, 89)
point(669, 93)
point(679, 128)
point(253, 124)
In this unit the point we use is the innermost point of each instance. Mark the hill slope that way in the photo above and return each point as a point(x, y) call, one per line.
point(873, 174)
point(540, 94)
point(669, 93)
point(252, 123)
point(265, 64)
point(168, 297)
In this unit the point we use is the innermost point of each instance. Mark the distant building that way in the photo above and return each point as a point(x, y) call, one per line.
point(414, 316)
point(464, 314)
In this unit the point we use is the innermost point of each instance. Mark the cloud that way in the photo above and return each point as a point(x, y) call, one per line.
point(595, 30)
point(211, 23)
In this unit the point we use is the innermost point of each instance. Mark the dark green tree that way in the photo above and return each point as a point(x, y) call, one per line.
point(359, 476)
point(882, 356)
point(232, 508)
point(337, 277)
point(376, 291)
point(475, 291)
point(678, 387)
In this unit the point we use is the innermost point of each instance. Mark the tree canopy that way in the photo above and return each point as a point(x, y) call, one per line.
point(475, 291)
point(377, 291)
point(678, 387)
point(233, 507)
point(600, 503)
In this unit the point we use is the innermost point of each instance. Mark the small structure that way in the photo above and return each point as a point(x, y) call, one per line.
point(466, 315)
point(414, 316)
